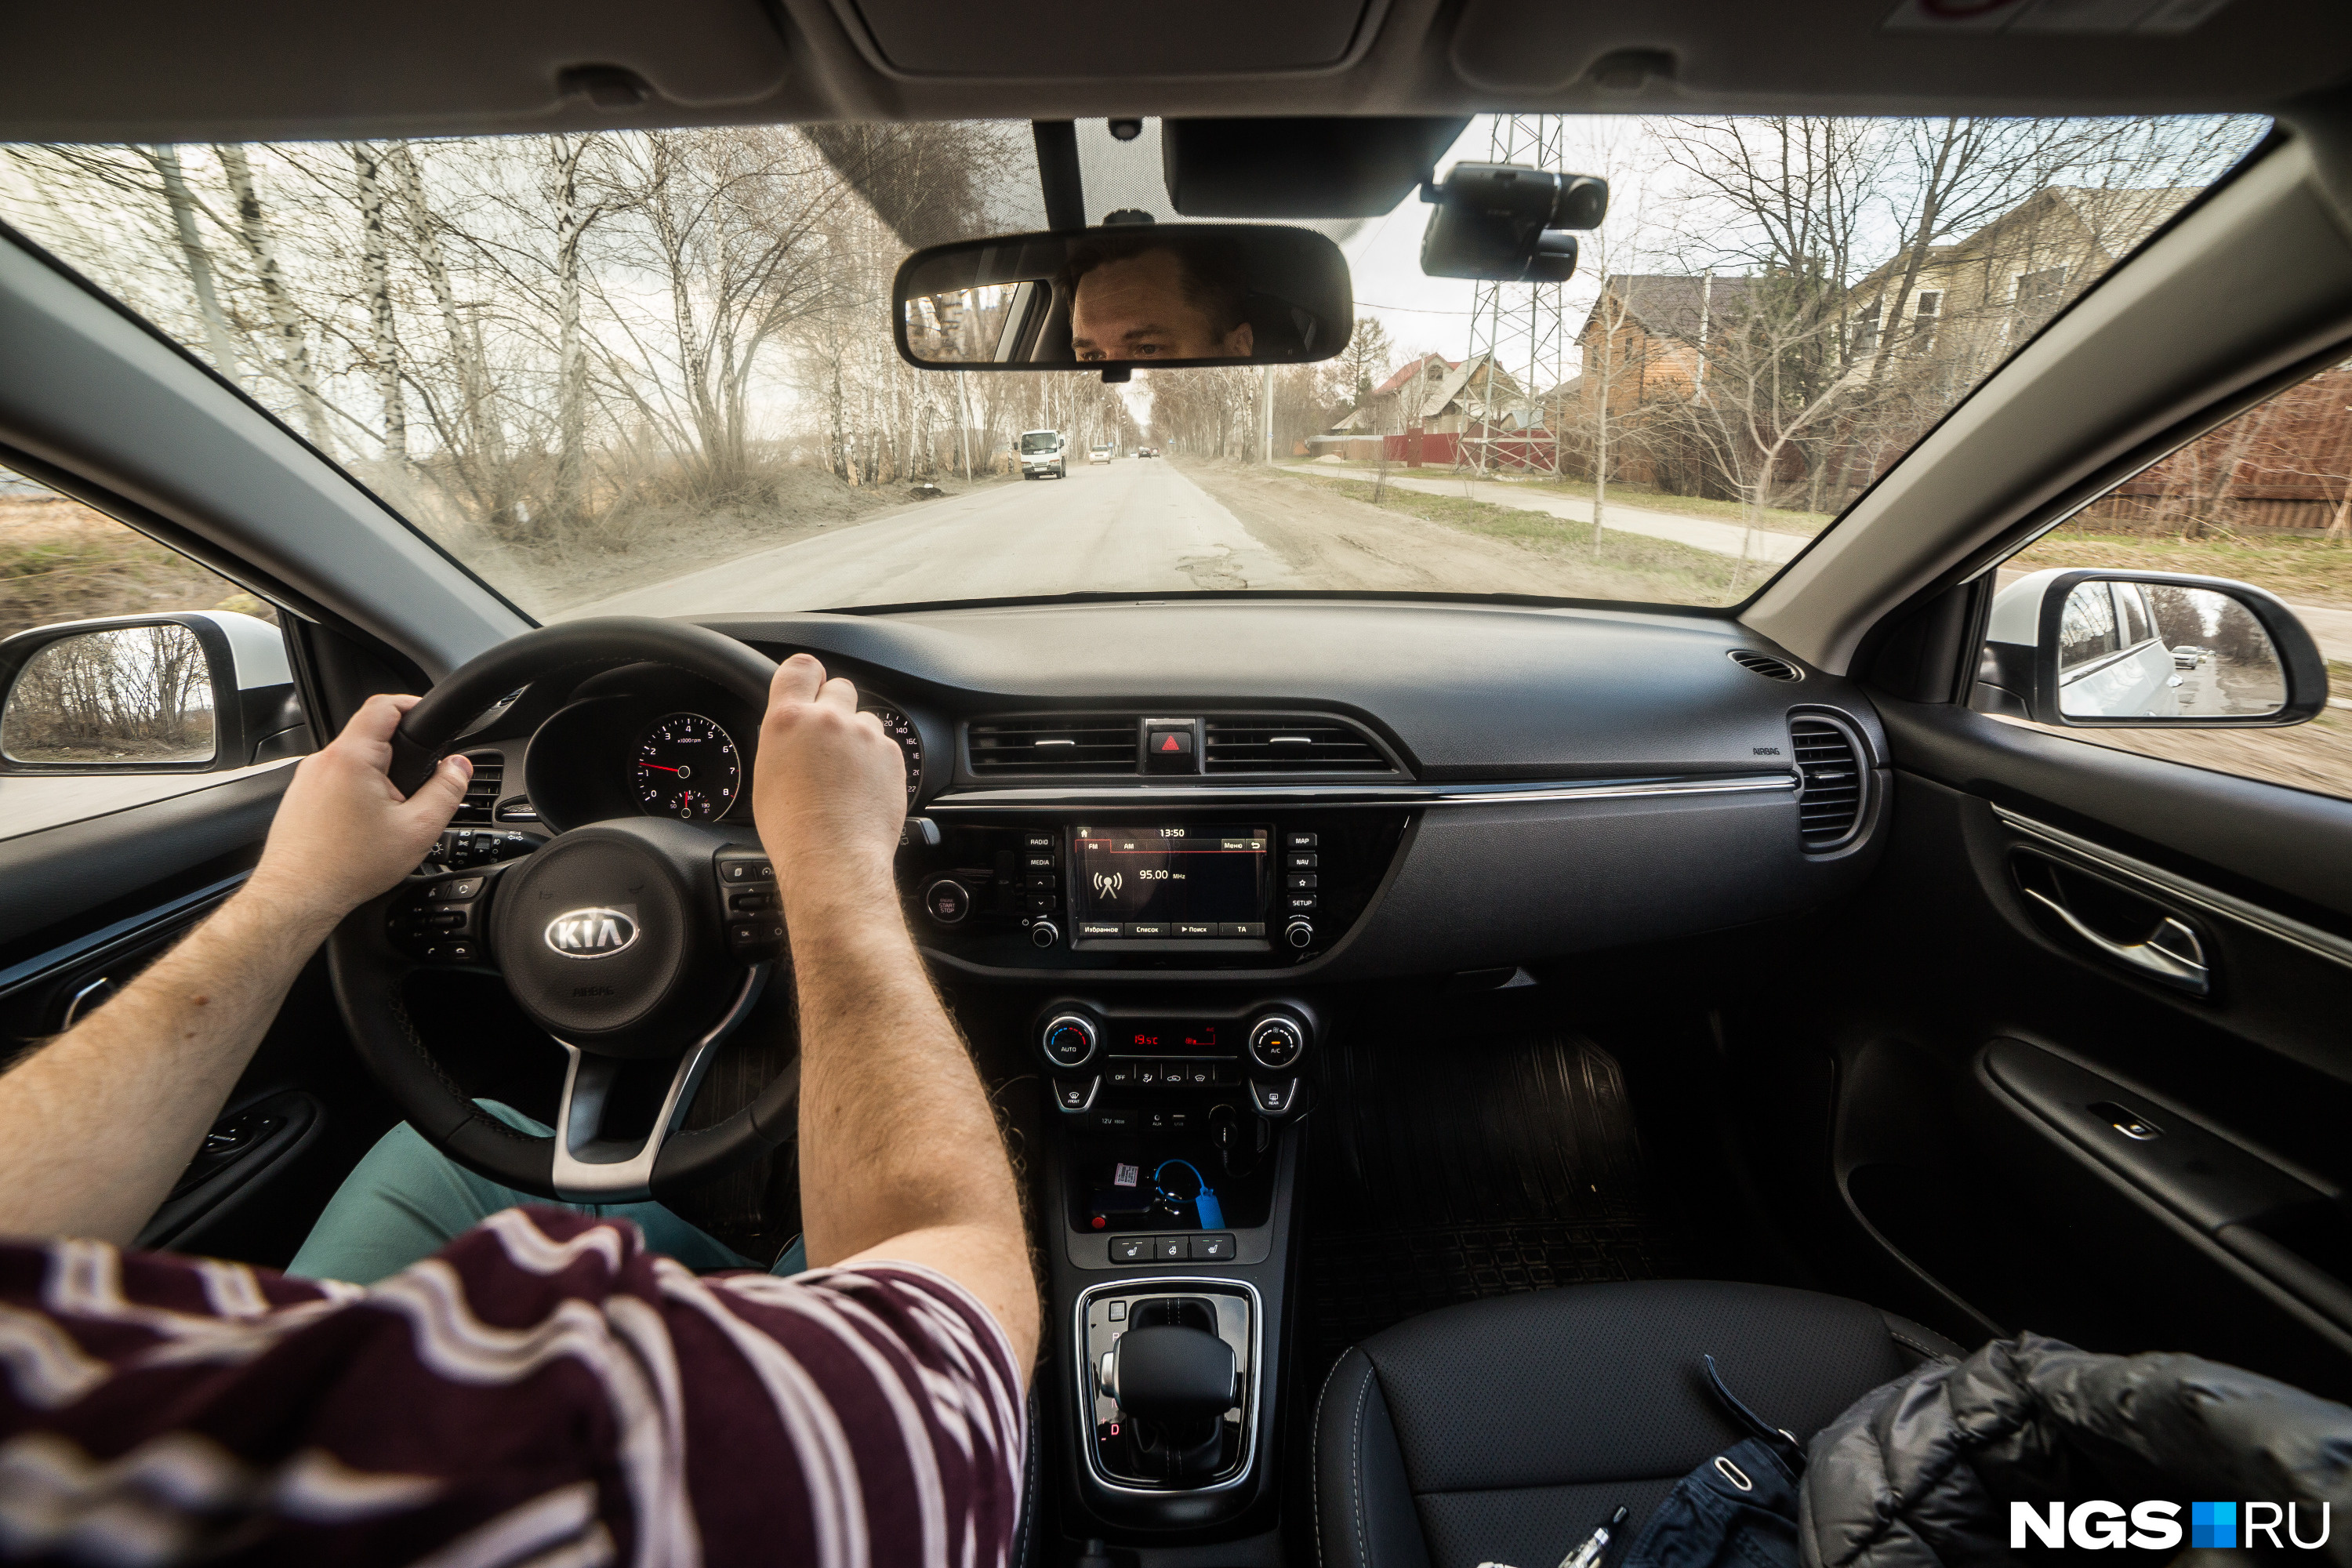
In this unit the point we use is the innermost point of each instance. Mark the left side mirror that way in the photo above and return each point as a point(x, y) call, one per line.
point(1114, 298)
point(2147, 649)
point(193, 692)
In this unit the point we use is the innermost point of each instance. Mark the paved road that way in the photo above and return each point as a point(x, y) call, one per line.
point(1133, 525)
point(1699, 533)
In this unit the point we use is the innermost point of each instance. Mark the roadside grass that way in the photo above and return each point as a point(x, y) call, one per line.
point(1775, 519)
point(2315, 756)
point(2298, 569)
point(60, 560)
point(1623, 565)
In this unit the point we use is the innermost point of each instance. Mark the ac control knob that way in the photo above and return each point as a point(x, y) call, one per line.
point(1069, 1040)
point(1299, 933)
point(1044, 933)
point(1276, 1042)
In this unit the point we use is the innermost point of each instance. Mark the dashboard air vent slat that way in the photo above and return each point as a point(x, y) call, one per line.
point(482, 789)
point(1092, 744)
point(1765, 665)
point(1828, 805)
point(1280, 745)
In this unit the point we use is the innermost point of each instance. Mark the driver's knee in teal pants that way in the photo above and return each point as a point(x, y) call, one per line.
point(405, 1201)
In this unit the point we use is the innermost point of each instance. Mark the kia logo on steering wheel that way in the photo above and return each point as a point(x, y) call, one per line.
point(597, 933)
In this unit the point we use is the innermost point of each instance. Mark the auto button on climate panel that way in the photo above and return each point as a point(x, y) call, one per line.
point(1069, 1040)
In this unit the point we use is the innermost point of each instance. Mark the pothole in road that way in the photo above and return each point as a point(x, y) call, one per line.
point(1212, 568)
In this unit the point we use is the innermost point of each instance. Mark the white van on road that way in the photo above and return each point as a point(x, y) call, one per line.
point(1043, 452)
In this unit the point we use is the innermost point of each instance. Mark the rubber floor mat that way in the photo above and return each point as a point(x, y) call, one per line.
point(1440, 1172)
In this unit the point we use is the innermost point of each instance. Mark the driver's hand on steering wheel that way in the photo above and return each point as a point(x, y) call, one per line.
point(829, 789)
point(343, 834)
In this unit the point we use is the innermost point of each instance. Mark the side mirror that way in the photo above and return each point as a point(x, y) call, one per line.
point(193, 692)
point(2147, 649)
point(1110, 298)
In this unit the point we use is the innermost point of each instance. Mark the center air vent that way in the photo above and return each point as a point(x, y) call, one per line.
point(1765, 665)
point(1280, 745)
point(482, 789)
point(1829, 803)
point(1089, 743)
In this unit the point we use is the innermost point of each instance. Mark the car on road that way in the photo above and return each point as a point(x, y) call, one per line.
point(1044, 453)
point(1445, 977)
point(1101, 453)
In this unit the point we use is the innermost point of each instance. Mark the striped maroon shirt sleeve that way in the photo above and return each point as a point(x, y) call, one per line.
point(542, 1391)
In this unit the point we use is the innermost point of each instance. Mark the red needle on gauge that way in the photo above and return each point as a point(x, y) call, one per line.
point(665, 769)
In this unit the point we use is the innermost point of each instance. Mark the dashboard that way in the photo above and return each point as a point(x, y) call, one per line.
point(1206, 789)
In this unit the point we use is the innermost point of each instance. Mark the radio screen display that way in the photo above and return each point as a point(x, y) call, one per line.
point(1169, 880)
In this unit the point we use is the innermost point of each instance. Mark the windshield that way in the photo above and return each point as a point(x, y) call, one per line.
point(654, 371)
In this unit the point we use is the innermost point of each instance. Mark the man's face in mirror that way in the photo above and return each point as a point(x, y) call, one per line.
point(1137, 308)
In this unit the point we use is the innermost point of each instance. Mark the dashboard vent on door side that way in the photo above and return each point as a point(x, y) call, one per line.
point(1275, 745)
point(1829, 803)
point(482, 789)
point(1765, 665)
point(1087, 743)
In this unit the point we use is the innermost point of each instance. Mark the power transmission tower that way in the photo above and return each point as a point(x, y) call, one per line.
point(1519, 327)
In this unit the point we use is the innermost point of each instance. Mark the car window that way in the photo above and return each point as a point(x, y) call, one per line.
point(654, 371)
point(60, 561)
point(2265, 499)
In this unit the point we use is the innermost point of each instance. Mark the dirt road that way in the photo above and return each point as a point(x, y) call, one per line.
point(1134, 525)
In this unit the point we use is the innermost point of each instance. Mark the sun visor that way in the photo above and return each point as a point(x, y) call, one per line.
point(1050, 40)
point(1301, 167)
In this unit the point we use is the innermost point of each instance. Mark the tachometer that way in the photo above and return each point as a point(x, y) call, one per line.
point(901, 729)
point(686, 767)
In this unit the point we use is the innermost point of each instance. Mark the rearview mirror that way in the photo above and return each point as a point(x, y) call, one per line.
point(1115, 297)
point(2148, 649)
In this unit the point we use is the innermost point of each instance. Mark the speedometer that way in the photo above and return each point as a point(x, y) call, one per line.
point(686, 767)
point(901, 729)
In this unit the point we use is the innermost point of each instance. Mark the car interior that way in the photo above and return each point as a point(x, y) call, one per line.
point(1575, 987)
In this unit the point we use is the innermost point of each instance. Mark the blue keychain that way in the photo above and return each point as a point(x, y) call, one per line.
point(1210, 1213)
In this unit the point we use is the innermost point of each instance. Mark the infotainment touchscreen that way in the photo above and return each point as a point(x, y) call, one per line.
point(1187, 880)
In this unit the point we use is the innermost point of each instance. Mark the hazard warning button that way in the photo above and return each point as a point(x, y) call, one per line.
point(1168, 751)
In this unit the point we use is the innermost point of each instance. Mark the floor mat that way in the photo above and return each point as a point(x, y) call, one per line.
point(1445, 1171)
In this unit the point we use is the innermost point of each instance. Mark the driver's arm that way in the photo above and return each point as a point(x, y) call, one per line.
point(95, 1125)
point(899, 1154)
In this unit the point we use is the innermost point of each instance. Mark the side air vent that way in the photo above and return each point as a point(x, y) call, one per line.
point(482, 789)
point(1278, 745)
point(1829, 803)
point(1765, 665)
point(1087, 743)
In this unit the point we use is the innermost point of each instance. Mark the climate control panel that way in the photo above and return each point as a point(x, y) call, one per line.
point(1108, 1062)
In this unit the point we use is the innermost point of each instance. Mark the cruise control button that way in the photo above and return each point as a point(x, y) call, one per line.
point(1130, 1249)
point(754, 936)
point(1217, 1248)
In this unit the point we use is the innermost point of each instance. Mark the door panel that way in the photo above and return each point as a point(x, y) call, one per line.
point(2032, 1130)
point(84, 907)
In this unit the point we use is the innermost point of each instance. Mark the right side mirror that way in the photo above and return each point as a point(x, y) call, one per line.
point(2147, 649)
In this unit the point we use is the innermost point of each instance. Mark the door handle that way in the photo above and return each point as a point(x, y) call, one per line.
point(2172, 953)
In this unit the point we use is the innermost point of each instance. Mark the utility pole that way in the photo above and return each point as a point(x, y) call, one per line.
point(1517, 328)
point(1265, 401)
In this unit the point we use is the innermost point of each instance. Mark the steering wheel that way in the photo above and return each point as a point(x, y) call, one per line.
point(647, 977)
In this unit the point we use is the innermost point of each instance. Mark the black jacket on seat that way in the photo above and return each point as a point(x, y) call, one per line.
point(1504, 1430)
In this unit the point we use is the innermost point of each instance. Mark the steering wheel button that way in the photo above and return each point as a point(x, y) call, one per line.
point(457, 889)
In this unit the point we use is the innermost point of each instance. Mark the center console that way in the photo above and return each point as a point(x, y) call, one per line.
point(1173, 1170)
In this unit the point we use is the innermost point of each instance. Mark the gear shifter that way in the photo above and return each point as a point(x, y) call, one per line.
point(1176, 1381)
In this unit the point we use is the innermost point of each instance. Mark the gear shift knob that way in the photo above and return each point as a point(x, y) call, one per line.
point(1173, 1376)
